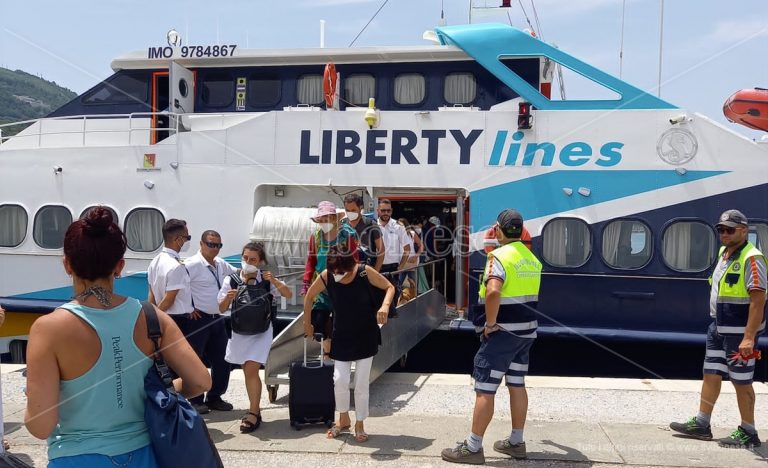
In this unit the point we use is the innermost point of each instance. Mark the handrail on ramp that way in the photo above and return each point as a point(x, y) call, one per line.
point(415, 320)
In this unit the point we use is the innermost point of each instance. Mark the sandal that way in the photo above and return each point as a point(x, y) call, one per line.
point(336, 431)
point(247, 426)
point(361, 436)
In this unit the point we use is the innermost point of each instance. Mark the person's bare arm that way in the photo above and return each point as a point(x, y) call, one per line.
point(378, 280)
point(379, 253)
point(194, 378)
point(168, 299)
point(43, 379)
point(315, 288)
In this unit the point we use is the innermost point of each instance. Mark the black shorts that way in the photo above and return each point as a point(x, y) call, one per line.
point(322, 321)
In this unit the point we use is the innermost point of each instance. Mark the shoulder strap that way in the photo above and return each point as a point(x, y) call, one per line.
point(153, 324)
point(234, 280)
point(155, 333)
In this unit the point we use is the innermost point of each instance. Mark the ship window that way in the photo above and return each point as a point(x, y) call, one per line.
point(91, 208)
point(121, 88)
point(566, 242)
point(758, 235)
point(51, 223)
point(309, 89)
point(13, 225)
point(410, 88)
point(627, 244)
point(263, 90)
point(689, 246)
point(359, 88)
point(218, 90)
point(460, 88)
point(144, 229)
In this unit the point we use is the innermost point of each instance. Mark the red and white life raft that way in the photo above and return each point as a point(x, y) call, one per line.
point(748, 107)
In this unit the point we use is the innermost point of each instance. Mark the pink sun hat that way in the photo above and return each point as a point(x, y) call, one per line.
point(326, 208)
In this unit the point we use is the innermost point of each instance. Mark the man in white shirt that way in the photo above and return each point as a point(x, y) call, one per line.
point(204, 328)
point(397, 247)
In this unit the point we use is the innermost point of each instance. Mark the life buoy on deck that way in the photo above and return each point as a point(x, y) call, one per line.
point(329, 84)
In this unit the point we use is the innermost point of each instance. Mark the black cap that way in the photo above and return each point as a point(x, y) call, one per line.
point(511, 223)
point(732, 218)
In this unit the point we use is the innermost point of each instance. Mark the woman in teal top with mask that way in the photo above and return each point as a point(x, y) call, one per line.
point(86, 361)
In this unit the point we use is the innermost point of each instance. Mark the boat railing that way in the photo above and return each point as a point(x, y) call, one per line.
point(173, 127)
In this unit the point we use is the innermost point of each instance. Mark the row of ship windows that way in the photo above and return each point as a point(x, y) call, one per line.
point(687, 246)
point(142, 226)
point(265, 90)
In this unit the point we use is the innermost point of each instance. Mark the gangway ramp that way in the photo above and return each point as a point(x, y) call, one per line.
point(415, 320)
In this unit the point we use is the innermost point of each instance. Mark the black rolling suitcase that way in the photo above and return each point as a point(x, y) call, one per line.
point(310, 394)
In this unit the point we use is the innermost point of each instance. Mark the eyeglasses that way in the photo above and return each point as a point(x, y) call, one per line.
point(214, 245)
point(726, 230)
point(187, 237)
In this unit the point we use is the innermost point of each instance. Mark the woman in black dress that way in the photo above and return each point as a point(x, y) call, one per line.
point(355, 291)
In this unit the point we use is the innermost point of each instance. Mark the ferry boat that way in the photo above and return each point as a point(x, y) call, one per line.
point(619, 195)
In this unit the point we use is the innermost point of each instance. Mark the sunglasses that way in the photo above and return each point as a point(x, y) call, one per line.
point(385, 210)
point(186, 238)
point(214, 245)
point(726, 230)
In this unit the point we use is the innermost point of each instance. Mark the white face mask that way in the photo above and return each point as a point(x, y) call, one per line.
point(249, 269)
point(352, 215)
point(326, 227)
point(338, 276)
point(418, 230)
point(184, 246)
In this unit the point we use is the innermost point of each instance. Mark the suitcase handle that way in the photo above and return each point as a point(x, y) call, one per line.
point(320, 357)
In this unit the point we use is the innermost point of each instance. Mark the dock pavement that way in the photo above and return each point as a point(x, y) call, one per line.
point(572, 422)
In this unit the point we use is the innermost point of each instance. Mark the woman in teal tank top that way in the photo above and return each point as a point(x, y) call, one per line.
point(86, 361)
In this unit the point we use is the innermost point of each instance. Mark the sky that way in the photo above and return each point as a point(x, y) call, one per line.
point(710, 48)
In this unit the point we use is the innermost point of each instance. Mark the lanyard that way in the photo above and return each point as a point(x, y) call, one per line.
point(215, 276)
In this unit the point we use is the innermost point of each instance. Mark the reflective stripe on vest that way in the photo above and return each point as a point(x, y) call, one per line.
point(733, 296)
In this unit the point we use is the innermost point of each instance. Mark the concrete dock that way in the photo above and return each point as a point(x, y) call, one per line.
point(571, 422)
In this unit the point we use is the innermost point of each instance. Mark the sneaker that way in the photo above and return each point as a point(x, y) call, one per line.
point(462, 454)
point(508, 448)
point(202, 408)
point(692, 428)
point(740, 439)
point(219, 405)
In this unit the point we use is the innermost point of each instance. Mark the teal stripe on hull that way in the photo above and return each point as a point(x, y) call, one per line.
point(543, 195)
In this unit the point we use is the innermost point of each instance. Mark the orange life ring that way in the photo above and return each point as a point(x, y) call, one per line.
point(329, 84)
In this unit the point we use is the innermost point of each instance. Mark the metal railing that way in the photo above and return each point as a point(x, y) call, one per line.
point(172, 128)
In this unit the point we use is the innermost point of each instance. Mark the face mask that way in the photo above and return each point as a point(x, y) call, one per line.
point(338, 276)
point(249, 269)
point(418, 230)
point(326, 227)
point(352, 215)
point(184, 247)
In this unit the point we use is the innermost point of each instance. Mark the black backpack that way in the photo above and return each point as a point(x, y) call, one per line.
point(252, 309)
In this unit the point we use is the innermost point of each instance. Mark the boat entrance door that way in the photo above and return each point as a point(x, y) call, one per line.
point(182, 92)
point(159, 104)
point(446, 240)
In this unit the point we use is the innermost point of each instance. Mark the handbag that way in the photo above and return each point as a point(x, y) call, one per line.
point(179, 435)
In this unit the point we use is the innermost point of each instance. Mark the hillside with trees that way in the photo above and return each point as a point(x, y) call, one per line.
point(25, 97)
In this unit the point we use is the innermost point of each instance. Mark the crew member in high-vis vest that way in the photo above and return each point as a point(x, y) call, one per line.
point(736, 303)
point(509, 290)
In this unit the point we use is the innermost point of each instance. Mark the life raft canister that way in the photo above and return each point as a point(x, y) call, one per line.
point(748, 107)
point(329, 84)
point(491, 244)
